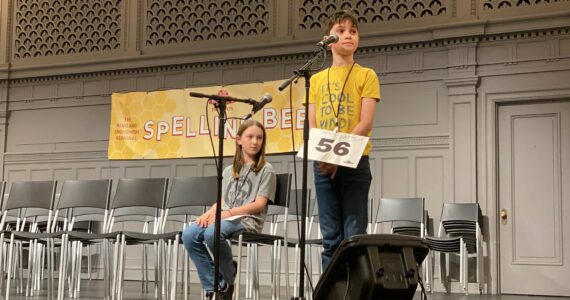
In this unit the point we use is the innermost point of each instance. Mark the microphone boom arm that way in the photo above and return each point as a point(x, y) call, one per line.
point(223, 98)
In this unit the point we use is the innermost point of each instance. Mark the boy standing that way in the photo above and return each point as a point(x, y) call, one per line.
point(343, 97)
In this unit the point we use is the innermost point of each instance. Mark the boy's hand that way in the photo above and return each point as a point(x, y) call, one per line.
point(325, 169)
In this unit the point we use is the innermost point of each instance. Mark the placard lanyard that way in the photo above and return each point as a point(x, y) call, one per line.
point(341, 96)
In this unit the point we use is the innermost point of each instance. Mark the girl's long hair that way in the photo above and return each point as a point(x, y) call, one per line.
point(259, 159)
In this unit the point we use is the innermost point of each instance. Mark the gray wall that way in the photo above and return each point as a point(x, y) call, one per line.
point(441, 65)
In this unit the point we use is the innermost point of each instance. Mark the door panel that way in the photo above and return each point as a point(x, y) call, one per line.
point(534, 192)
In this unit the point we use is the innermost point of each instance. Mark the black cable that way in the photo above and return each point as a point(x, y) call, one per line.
point(309, 278)
point(293, 141)
point(423, 289)
point(210, 135)
point(294, 162)
point(322, 66)
point(347, 281)
point(295, 169)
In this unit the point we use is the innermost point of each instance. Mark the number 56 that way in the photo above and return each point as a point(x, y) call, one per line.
point(340, 149)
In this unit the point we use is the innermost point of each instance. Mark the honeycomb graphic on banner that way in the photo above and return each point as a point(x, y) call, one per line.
point(281, 137)
point(152, 106)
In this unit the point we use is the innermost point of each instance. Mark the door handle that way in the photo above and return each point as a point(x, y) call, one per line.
point(503, 215)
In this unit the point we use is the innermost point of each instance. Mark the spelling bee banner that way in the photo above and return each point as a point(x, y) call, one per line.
point(172, 124)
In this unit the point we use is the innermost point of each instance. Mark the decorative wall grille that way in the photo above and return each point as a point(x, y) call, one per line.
point(498, 4)
point(182, 21)
point(61, 27)
point(314, 13)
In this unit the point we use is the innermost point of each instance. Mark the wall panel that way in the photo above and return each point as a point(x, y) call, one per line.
point(395, 174)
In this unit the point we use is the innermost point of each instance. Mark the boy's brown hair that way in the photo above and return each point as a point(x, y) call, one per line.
point(341, 16)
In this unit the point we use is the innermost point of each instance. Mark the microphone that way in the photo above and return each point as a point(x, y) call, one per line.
point(327, 40)
point(259, 105)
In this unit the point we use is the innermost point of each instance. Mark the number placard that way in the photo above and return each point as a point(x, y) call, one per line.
point(343, 149)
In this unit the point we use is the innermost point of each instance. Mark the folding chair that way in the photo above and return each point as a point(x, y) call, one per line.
point(460, 232)
point(34, 201)
point(139, 200)
point(271, 239)
point(189, 197)
point(81, 201)
point(408, 217)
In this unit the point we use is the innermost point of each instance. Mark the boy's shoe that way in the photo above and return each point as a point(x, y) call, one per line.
point(209, 295)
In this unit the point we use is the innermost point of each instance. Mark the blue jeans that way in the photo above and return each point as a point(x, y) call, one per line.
point(343, 205)
point(196, 238)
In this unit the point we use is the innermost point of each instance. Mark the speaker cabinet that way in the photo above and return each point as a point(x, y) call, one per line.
point(373, 266)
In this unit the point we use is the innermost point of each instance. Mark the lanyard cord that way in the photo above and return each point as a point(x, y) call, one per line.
point(239, 187)
point(337, 112)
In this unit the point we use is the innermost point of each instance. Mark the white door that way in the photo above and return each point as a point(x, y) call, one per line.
point(534, 198)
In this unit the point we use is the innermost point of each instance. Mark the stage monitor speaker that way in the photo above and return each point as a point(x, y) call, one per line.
point(373, 266)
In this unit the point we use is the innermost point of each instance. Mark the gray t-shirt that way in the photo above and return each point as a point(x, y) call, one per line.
point(244, 190)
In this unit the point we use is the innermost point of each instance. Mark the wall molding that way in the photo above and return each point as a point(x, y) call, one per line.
point(54, 157)
point(410, 143)
point(400, 143)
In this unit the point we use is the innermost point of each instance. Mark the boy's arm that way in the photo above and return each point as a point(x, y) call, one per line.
point(367, 113)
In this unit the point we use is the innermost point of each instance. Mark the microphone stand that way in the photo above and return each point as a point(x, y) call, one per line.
point(221, 131)
point(221, 104)
point(304, 71)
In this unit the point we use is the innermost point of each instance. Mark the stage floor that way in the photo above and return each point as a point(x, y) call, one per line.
point(91, 290)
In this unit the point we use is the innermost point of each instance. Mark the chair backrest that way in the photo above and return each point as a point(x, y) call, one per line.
point(192, 192)
point(85, 193)
point(295, 202)
point(139, 200)
point(31, 194)
point(149, 192)
point(283, 189)
point(189, 197)
point(31, 199)
point(400, 209)
point(458, 212)
point(83, 200)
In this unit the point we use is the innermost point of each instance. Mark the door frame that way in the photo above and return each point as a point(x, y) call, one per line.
point(488, 166)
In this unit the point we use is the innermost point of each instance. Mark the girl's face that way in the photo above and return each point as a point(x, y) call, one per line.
point(251, 141)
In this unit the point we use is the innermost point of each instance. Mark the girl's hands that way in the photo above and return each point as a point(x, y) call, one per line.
point(206, 219)
point(209, 218)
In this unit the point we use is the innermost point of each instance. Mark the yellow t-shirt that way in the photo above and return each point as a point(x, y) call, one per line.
point(362, 83)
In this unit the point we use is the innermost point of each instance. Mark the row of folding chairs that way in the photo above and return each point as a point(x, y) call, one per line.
point(34, 218)
point(459, 232)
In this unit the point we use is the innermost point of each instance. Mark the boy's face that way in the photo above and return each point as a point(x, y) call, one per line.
point(348, 38)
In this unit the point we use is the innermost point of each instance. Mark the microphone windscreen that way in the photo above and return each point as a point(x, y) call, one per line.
point(334, 38)
point(267, 97)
